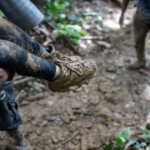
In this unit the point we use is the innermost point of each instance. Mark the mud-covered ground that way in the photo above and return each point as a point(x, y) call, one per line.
point(87, 118)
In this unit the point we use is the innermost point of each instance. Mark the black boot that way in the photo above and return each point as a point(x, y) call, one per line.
point(141, 63)
point(137, 65)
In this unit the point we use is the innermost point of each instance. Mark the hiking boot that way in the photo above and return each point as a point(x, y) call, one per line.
point(19, 142)
point(73, 74)
point(58, 57)
point(137, 65)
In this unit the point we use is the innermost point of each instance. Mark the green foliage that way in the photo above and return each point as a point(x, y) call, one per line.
point(120, 140)
point(97, 17)
point(74, 32)
point(108, 148)
point(137, 145)
point(146, 134)
point(68, 24)
point(2, 14)
point(140, 145)
point(56, 6)
point(143, 144)
point(28, 31)
point(123, 137)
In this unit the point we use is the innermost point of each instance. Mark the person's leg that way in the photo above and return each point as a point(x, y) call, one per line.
point(10, 120)
point(12, 33)
point(19, 142)
point(141, 28)
point(16, 59)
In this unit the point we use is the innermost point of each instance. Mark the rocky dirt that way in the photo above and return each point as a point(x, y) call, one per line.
point(87, 118)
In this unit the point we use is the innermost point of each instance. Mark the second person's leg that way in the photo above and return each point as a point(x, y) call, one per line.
point(141, 28)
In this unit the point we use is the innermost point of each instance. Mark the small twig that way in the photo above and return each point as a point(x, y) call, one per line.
point(73, 136)
point(93, 38)
point(26, 79)
point(32, 99)
point(36, 97)
point(81, 112)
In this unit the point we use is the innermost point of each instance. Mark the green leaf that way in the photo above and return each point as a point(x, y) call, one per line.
point(66, 3)
point(143, 128)
point(2, 14)
point(86, 18)
point(74, 40)
point(80, 20)
point(59, 6)
point(63, 22)
point(75, 27)
point(73, 33)
point(28, 31)
point(72, 17)
point(63, 16)
point(82, 32)
point(120, 141)
point(60, 26)
point(143, 144)
point(137, 146)
point(90, 13)
point(146, 137)
point(62, 32)
point(126, 133)
point(108, 148)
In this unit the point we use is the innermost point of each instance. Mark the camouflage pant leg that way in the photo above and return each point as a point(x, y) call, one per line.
point(16, 59)
point(10, 32)
point(9, 117)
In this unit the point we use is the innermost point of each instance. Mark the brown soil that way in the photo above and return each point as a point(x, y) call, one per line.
point(89, 117)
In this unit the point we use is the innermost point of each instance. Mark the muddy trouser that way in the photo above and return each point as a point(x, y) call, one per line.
point(9, 117)
point(17, 60)
point(141, 27)
point(10, 32)
point(15, 57)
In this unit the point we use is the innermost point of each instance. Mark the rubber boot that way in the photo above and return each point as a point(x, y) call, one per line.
point(141, 62)
point(137, 65)
point(18, 140)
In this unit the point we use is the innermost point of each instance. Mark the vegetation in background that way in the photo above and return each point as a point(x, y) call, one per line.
point(74, 32)
point(68, 24)
point(2, 14)
point(120, 140)
point(123, 141)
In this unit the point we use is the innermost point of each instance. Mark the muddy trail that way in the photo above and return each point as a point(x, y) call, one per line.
point(87, 118)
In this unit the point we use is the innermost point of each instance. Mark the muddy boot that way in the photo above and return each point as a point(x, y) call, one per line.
point(140, 56)
point(137, 65)
point(19, 141)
